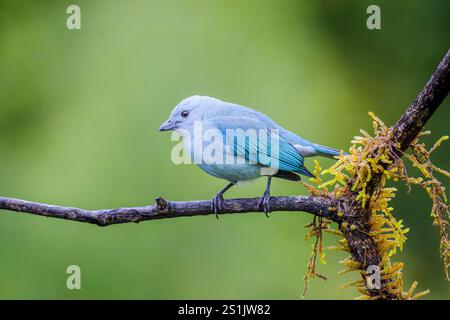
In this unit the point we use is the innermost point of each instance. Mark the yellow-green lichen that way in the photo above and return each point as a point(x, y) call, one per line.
point(377, 156)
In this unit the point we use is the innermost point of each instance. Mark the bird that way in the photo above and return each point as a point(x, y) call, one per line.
point(273, 152)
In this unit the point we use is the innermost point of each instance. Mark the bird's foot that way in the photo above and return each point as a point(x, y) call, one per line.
point(216, 204)
point(265, 203)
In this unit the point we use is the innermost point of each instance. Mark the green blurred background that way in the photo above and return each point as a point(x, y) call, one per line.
point(79, 118)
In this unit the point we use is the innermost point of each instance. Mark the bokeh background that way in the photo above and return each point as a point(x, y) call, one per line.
point(80, 109)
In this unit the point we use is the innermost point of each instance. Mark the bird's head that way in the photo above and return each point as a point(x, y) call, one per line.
point(187, 112)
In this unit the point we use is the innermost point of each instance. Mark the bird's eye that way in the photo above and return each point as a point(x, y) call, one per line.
point(184, 113)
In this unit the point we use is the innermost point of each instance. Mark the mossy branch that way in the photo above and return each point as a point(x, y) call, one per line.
point(371, 234)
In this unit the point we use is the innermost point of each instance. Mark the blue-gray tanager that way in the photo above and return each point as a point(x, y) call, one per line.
point(276, 152)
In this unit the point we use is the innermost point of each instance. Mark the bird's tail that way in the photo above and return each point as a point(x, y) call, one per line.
point(326, 151)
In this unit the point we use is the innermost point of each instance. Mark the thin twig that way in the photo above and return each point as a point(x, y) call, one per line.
point(164, 209)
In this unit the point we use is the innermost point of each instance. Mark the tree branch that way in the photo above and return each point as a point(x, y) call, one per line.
point(429, 99)
point(163, 209)
point(362, 247)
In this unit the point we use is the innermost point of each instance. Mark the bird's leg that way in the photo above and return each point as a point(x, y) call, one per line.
point(265, 200)
point(216, 202)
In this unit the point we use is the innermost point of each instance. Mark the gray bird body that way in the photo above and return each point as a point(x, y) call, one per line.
point(219, 116)
point(216, 114)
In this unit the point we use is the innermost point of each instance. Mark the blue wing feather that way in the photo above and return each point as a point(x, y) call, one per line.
point(281, 156)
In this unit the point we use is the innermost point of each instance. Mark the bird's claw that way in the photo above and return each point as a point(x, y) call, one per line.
point(265, 203)
point(216, 205)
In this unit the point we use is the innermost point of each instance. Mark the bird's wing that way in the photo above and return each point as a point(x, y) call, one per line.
point(270, 149)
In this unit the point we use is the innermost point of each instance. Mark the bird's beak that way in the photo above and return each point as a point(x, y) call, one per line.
point(167, 125)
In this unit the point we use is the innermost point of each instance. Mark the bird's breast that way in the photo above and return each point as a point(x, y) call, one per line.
point(232, 172)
